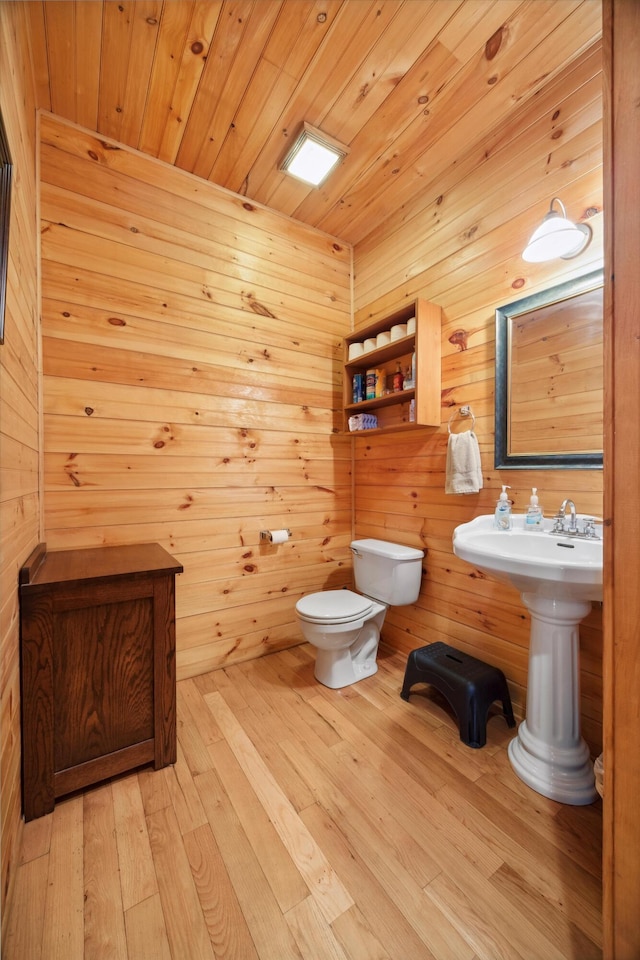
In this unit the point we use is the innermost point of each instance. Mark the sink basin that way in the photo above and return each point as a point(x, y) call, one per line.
point(553, 566)
point(558, 576)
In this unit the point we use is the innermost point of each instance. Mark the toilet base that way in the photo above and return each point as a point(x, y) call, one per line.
point(345, 652)
point(337, 668)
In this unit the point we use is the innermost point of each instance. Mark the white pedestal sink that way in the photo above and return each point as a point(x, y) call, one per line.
point(558, 577)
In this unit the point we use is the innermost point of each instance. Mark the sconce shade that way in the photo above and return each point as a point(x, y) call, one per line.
point(557, 237)
point(313, 156)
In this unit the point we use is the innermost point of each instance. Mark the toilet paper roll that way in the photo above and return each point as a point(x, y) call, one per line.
point(355, 350)
point(369, 344)
point(383, 338)
point(399, 331)
point(279, 536)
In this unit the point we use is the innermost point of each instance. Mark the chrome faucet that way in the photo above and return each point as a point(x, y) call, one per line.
point(571, 529)
point(559, 526)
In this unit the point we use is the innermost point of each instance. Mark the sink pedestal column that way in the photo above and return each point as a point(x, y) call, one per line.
point(549, 754)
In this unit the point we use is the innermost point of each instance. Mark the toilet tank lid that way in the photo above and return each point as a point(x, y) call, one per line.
point(382, 548)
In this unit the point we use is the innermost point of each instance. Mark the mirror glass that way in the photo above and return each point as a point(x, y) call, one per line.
point(549, 377)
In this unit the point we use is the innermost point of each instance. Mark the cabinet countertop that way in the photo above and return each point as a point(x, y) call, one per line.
point(67, 566)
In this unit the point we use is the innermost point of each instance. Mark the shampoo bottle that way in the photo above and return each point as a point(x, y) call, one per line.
point(502, 517)
point(534, 515)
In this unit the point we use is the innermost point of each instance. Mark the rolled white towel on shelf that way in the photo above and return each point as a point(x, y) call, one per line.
point(463, 470)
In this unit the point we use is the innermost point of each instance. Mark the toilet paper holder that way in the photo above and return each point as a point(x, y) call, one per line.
point(267, 536)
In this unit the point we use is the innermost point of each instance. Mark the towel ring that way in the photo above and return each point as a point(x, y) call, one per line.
point(464, 412)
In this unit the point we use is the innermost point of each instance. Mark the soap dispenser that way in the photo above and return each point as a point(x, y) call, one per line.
point(534, 515)
point(502, 518)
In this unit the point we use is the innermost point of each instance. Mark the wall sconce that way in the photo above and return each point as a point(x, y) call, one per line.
point(313, 156)
point(557, 237)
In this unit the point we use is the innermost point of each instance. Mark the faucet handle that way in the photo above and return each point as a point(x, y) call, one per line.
point(589, 529)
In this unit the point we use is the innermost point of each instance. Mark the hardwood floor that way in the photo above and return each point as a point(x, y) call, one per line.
point(302, 822)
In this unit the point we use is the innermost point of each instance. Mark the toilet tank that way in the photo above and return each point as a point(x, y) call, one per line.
point(387, 572)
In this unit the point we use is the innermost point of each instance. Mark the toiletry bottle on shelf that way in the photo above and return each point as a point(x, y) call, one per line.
point(409, 375)
point(398, 379)
point(370, 384)
point(534, 515)
point(502, 517)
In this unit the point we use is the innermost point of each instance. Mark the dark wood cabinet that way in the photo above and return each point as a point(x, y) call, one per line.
point(98, 677)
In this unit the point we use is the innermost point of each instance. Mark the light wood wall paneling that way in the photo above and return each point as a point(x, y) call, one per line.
point(210, 247)
point(446, 210)
point(19, 412)
point(102, 400)
point(83, 252)
point(185, 439)
point(516, 41)
point(117, 29)
point(182, 46)
point(331, 81)
point(188, 535)
point(175, 317)
point(460, 248)
point(113, 472)
point(621, 866)
point(106, 507)
point(134, 367)
point(192, 388)
point(259, 111)
point(199, 133)
point(186, 204)
point(220, 88)
point(253, 33)
point(39, 65)
point(569, 98)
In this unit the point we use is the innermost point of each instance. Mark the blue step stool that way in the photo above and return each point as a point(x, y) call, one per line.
point(469, 685)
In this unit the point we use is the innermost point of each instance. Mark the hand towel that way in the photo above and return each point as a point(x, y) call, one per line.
point(463, 471)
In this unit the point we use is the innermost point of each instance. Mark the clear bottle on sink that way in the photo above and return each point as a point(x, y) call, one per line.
point(534, 515)
point(502, 517)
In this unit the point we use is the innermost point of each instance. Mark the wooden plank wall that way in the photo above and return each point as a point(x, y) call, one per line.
point(19, 408)
point(459, 244)
point(621, 826)
point(192, 348)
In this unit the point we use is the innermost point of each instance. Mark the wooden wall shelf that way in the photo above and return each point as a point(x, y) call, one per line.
point(393, 409)
point(98, 676)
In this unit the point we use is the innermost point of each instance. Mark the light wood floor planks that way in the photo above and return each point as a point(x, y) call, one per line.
point(302, 823)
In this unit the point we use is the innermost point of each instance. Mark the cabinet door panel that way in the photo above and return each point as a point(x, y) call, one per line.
point(103, 680)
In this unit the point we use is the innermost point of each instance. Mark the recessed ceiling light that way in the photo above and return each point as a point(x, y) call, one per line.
point(313, 156)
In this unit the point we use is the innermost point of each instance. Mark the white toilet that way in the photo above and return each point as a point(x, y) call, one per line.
point(345, 626)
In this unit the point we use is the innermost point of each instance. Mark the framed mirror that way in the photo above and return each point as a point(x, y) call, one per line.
point(549, 378)
point(6, 173)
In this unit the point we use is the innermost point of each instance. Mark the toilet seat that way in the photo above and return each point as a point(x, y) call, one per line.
point(333, 606)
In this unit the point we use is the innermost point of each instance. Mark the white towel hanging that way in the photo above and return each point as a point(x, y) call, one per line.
point(464, 469)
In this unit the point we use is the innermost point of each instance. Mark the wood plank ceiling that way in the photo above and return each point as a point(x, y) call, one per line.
point(220, 87)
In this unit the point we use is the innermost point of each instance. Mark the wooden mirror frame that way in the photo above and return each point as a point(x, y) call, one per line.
point(6, 176)
point(504, 459)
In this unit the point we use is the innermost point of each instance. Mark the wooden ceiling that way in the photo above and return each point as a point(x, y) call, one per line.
point(220, 87)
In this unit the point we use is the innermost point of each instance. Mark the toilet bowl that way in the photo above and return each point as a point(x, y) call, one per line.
point(344, 626)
